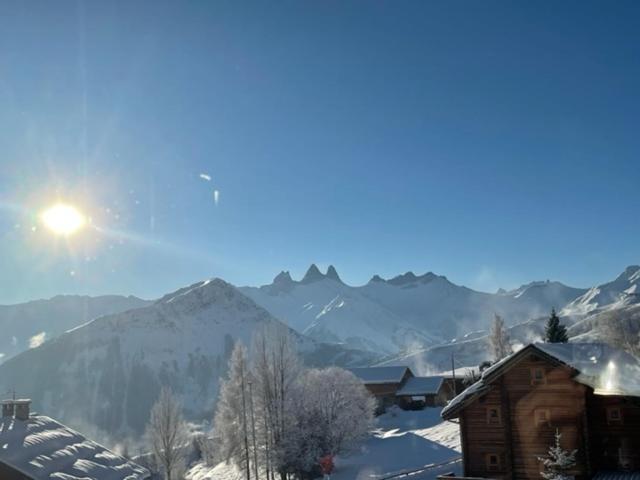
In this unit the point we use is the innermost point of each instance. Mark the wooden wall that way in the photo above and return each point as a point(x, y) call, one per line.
point(518, 441)
point(614, 442)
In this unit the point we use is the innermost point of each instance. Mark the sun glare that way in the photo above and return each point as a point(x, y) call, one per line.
point(63, 219)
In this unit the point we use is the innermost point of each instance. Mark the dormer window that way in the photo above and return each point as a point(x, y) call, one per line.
point(494, 416)
point(538, 376)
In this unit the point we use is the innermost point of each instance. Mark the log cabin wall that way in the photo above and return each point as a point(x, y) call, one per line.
point(484, 436)
point(514, 423)
point(543, 397)
point(614, 427)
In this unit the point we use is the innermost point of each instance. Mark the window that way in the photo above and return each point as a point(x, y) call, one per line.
point(614, 415)
point(542, 417)
point(538, 376)
point(493, 462)
point(494, 416)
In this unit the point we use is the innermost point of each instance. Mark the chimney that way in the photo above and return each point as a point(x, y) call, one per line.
point(22, 408)
point(7, 408)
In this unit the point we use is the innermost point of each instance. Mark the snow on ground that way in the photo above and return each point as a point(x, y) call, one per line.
point(403, 441)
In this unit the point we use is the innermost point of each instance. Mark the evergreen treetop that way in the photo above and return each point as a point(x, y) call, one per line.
point(555, 332)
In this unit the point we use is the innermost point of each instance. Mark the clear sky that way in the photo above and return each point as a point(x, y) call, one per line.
point(492, 142)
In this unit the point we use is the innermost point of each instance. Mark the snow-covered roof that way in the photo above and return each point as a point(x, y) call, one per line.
point(420, 386)
point(607, 370)
point(45, 449)
point(372, 375)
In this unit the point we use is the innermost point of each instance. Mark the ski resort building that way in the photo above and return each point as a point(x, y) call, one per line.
point(399, 386)
point(588, 392)
point(36, 447)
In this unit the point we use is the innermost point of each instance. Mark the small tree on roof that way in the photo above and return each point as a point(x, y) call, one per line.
point(555, 331)
point(558, 461)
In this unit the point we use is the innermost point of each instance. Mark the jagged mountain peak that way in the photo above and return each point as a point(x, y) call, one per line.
point(410, 277)
point(313, 274)
point(376, 279)
point(284, 277)
point(333, 274)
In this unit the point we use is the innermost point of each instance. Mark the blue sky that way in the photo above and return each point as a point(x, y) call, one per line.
point(493, 142)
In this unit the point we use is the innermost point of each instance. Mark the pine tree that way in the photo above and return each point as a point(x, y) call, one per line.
point(558, 461)
point(555, 331)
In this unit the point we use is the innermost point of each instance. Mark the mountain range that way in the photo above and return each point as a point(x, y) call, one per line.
point(105, 373)
point(404, 312)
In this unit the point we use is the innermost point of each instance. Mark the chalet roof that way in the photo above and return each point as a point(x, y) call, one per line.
point(376, 375)
point(45, 449)
point(420, 386)
point(607, 370)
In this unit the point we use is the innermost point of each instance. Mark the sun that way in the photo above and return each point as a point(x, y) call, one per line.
point(63, 219)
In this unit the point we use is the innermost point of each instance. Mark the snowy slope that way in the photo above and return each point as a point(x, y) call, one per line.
point(326, 309)
point(586, 318)
point(402, 313)
point(31, 323)
point(108, 372)
point(624, 290)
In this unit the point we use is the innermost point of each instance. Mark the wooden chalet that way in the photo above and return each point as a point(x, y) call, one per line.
point(589, 392)
point(383, 382)
point(399, 386)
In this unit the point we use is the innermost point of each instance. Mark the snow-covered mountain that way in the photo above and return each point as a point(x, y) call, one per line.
point(586, 317)
point(404, 312)
point(26, 325)
point(624, 290)
point(108, 372)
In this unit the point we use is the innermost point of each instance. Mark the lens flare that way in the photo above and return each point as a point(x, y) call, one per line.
point(63, 219)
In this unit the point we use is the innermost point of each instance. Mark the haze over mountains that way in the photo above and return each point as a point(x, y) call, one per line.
point(406, 311)
point(29, 324)
point(106, 373)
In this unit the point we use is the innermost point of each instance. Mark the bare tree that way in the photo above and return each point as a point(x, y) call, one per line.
point(276, 369)
point(230, 420)
point(168, 434)
point(499, 339)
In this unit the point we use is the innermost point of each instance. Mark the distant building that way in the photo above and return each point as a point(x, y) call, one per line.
point(35, 447)
point(399, 386)
point(423, 391)
point(589, 392)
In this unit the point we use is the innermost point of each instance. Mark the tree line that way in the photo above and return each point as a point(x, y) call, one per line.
point(274, 418)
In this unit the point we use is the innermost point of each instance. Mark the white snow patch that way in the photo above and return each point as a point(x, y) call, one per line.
point(37, 340)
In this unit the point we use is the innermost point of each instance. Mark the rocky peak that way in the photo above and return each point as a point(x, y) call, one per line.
point(284, 277)
point(313, 274)
point(333, 274)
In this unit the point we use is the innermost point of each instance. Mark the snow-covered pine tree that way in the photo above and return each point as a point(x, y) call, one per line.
point(558, 461)
point(499, 339)
point(555, 331)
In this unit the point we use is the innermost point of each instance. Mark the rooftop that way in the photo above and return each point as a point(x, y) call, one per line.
point(607, 370)
point(420, 386)
point(45, 449)
point(373, 375)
